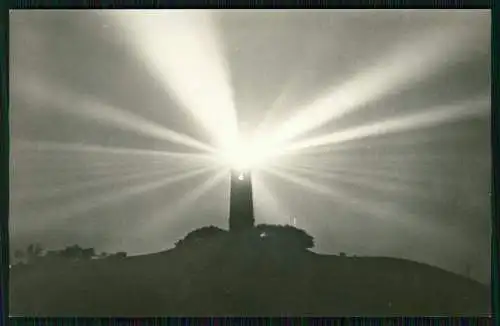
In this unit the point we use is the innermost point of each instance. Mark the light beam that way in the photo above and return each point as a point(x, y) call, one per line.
point(367, 206)
point(263, 197)
point(43, 145)
point(429, 118)
point(406, 64)
point(54, 96)
point(91, 185)
point(172, 212)
point(181, 48)
point(72, 211)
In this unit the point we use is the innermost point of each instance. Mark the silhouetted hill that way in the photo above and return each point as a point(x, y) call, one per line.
point(243, 275)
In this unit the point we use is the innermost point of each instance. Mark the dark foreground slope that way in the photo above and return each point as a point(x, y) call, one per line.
point(218, 279)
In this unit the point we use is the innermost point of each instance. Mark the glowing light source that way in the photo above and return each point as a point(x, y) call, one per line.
point(243, 154)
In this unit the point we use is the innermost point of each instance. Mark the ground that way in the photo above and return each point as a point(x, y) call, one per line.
point(212, 278)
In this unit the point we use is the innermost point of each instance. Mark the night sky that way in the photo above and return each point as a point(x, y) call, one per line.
point(420, 191)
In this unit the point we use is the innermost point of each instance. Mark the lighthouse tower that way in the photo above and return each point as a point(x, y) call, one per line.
point(241, 215)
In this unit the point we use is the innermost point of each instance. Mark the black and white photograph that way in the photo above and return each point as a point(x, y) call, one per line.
point(250, 162)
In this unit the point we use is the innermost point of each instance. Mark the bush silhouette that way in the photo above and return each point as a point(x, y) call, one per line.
point(33, 253)
point(74, 252)
point(19, 254)
point(18, 257)
point(88, 253)
point(118, 255)
point(277, 236)
point(199, 235)
point(285, 235)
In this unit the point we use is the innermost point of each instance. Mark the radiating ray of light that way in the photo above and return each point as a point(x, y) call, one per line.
point(273, 110)
point(40, 145)
point(304, 182)
point(429, 118)
point(169, 212)
point(182, 49)
point(380, 164)
point(387, 181)
point(390, 208)
point(390, 182)
point(43, 184)
point(199, 191)
point(383, 164)
point(352, 148)
point(56, 96)
point(382, 174)
point(367, 181)
point(406, 64)
point(387, 210)
point(72, 211)
point(269, 201)
point(91, 185)
point(368, 207)
point(78, 165)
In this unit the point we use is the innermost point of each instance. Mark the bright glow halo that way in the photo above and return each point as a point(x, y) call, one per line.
point(245, 154)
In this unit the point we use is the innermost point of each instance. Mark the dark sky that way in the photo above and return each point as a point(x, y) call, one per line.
point(421, 193)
